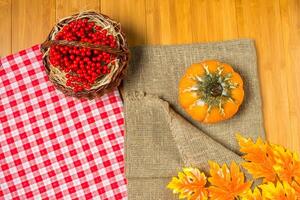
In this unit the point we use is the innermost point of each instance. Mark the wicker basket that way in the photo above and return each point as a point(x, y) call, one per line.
point(102, 84)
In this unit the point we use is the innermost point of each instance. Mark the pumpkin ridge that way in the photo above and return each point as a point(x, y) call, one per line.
point(214, 87)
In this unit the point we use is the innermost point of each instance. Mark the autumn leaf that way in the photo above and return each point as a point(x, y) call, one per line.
point(287, 164)
point(255, 195)
point(296, 187)
point(281, 191)
point(226, 184)
point(189, 184)
point(260, 158)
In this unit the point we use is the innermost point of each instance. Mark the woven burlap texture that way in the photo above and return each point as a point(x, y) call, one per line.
point(160, 137)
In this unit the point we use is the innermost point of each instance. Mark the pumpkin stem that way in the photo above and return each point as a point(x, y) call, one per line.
point(215, 89)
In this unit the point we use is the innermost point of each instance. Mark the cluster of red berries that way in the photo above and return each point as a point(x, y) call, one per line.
point(83, 66)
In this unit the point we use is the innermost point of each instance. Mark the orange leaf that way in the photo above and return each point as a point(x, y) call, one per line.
point(226, 184)
point(255, 195)
point(190, 184)
point(260, 158)
point(287, 164)
point(296, 187)
point(281, 191)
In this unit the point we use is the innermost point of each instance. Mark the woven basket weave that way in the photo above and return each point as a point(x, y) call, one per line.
point(104, 83)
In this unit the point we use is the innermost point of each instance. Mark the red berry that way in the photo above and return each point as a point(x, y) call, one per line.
point(82, 65)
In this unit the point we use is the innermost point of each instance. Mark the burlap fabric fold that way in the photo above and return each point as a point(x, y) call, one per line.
point(160, 137)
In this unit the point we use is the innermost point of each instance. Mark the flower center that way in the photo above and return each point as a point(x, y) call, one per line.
point(215, 89)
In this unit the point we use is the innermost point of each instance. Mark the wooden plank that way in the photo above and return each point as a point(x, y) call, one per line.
point(290, 20)
point(68, 7)
point(213, 20)
point(260, 20)
point(131, 15)
point(31, 22)
point(189, 21)
point(5, 24)
point(168, 22)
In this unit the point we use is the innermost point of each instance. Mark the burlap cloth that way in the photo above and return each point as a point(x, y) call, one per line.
point(160, 137)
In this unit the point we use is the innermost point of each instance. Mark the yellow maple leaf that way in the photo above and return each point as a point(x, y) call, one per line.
point(287, 164)
point(190, 184)
point(260, 158)
point(252, 195)
point(226, 184)
point(296, 187)
point(281, 191)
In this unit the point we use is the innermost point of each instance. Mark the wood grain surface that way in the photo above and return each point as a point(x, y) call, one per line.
point(274, 24)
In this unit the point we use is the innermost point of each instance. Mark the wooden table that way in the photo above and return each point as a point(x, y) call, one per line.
point(274, 24)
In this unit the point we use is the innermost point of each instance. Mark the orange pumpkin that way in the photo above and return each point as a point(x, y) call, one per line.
point(211, 91)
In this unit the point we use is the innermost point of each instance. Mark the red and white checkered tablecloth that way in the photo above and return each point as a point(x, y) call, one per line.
point(53, 146)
